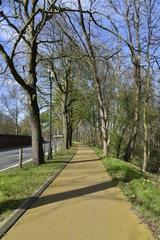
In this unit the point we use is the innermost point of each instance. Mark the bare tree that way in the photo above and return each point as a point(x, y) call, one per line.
point(83, 42)
point(7, 124)
point(151, 29)
point(13, 104)
point(135, 24)
point(21, 24)
point(129, 11)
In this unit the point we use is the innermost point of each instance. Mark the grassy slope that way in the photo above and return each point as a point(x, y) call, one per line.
point(18, 184)
point(142, 189)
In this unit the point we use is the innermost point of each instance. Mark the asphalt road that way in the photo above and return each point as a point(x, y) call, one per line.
point(9, 157)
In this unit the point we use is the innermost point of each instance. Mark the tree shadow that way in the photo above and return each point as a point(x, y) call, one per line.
point(85, 161)
point(73, 162)
point(35, 201)
point(10, 205)
point(128, 175)
point(57, 197)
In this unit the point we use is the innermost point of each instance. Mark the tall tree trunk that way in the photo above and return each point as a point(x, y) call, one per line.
point(145, 122)
point(137, 76)
point(145, 146)
point(120, 142)
point(33, 108)
point(132, 140)
point(70, 131)
point(37, 141)
point(65, 121)
point(65, 131)
point(70, 128)
point(17, 127)
point(94, 137)
point(136, 58)
point(103, 119)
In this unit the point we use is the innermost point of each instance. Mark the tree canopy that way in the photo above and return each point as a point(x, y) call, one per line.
point(104, 60)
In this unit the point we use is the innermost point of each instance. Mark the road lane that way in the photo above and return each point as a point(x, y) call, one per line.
point(10, 158)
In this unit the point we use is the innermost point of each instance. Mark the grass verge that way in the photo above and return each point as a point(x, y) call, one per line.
point(16, 185)
point(142, 189)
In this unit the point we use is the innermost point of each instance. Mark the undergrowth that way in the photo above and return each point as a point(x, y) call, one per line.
point(142, 189)
point(139, 188)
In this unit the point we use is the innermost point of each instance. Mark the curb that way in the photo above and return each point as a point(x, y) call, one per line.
point(13, 218)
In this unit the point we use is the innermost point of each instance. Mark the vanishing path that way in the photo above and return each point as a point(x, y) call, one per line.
point(80, 204)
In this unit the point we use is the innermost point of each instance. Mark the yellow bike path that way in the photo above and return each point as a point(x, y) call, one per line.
point(80, 204)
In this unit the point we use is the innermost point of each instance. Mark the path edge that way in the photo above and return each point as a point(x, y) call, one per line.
point(6, 224)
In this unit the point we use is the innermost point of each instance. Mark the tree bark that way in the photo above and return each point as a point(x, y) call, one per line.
point(145, 121)
point(37, 141)
point(65, 121)
point(118, 149)
point(137, 71)
point(145, 146)
point(130, 146)
point(102, 115)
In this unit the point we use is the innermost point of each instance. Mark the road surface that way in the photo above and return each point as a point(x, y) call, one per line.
point(9, 157)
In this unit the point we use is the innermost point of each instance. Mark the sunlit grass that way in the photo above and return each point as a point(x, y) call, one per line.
point(141, 190)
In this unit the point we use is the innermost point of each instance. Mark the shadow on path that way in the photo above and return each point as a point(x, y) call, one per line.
point(72, 194)
point(76, 161)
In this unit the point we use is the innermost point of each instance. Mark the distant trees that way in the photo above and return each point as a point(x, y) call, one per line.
point(13, 106)
point(139, 21)
point(134, 23)
point(88, 50)
point(7, 125)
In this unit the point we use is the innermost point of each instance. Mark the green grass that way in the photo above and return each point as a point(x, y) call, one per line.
point(16, 185)
point(142, 189)
point(139, 188)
